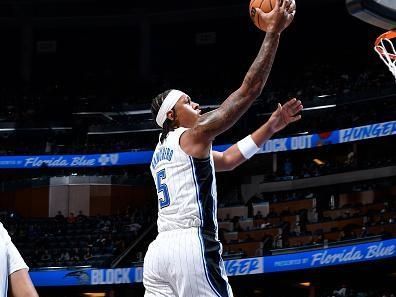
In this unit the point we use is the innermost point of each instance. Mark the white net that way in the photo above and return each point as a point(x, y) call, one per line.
point(387, 52)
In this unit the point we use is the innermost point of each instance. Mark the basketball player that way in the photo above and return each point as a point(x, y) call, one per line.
point(13, 270)
point(185, 258)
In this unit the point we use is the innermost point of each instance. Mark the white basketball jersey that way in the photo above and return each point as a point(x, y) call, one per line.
point(10, 260)
point(186, 187)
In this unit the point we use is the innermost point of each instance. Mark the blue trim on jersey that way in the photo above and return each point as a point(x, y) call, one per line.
point(196, 191)
point(205, 264)
point(199, 229)
point(204, 179)
point(210, 247)
point(214, 204)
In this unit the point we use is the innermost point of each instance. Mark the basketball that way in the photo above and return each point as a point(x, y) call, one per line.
point(265, 6)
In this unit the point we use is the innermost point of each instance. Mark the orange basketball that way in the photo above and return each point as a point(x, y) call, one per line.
point(265, 6)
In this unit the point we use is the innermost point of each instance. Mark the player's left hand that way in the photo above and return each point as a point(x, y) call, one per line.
point(286, 114)
point(279, 18)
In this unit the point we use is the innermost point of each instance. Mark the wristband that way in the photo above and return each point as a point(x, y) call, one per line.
point(247, 147)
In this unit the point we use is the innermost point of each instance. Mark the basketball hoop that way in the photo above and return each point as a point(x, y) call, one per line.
point(386, 50)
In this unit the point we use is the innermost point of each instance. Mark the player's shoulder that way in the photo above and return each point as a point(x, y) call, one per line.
point(174, 135)
point(179, 131)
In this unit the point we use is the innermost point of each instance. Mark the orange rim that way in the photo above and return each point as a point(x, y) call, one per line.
point(387, 35)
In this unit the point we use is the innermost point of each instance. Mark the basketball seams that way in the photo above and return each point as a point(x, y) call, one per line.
point(258, 19)
point(266, 6)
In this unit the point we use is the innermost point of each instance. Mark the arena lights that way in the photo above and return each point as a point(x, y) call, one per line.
point(320, 107)
point(305, 109)
point(130, 112)
point(123, 131)
point(305, 284)
point(318, 162)
point(326, 95)
point(60, 128)
point(35, 129)
point(7, 129)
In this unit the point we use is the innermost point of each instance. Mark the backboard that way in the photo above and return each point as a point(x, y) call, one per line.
point(380, 13)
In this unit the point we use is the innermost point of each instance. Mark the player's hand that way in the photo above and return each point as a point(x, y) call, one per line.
point(284, 115)
point(280, 17)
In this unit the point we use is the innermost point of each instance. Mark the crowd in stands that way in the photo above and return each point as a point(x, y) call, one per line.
point(291, 219)
point(268, 221)
point(355, 94)
point(297, 167)
point(306, 218)
point(302, 220)
point(32, 143)
point(75, 240)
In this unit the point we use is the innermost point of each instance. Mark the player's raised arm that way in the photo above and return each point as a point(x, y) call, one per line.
point(197, 140)
point(247, 147)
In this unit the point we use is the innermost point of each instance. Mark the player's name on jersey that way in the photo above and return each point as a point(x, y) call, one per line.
point(164, 153)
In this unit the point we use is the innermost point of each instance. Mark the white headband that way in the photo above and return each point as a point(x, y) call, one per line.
point(167, 105)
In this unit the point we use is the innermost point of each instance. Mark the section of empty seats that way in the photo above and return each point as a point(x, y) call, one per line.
point(389, 229)
point(352, 211)
point(291, 207)
point(230, 237)
point(383, 217)
point(300, 240)
point(226, 226)
point(249, 249)
point(228, 213)
point(258, 235)
point(263, 223)
point(291, 219)
point(334, 224)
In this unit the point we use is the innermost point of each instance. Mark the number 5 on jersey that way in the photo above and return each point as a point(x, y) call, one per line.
point(162, 187)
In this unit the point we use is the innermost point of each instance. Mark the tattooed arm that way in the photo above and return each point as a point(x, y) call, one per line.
point(197, 140)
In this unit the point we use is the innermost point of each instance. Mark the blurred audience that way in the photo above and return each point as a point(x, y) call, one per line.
point(77, 240)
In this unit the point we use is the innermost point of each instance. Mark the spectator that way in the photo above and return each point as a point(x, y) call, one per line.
point(59, 217)
point(46, 256)
point(87, 254)
point(278, 241)
point(134, 228)
point(65, 256)
point(287, 167)
point(71, 219)
point(81, 217)
point(258, 216)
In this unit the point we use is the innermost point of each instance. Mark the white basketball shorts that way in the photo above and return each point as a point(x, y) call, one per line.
point(185, 263)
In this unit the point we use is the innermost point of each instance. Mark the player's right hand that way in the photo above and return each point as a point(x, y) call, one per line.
point(280, 17)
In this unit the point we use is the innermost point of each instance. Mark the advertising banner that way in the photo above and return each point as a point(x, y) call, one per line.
point(288, 262)
point(144, 157)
